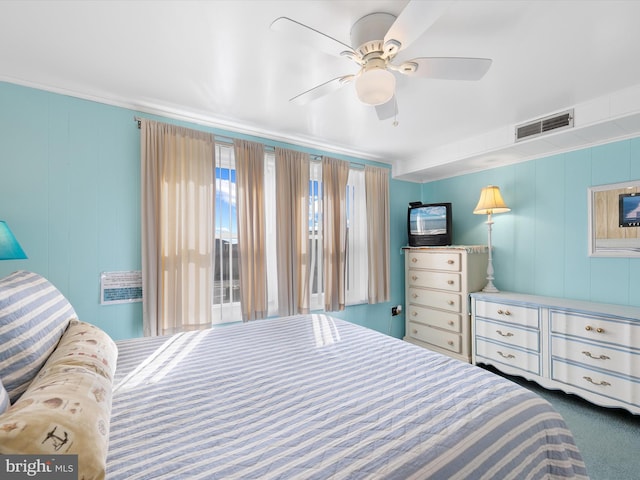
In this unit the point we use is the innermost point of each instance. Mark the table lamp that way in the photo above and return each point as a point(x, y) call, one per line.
point(490, 202)
point(10, 249)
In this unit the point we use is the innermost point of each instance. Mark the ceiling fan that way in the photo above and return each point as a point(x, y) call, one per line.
point(377, 38)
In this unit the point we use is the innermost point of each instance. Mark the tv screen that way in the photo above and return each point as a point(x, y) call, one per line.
point(428, 220)
point(429, 224)
point(629, 210)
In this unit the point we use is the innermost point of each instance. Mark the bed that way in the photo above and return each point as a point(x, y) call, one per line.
point(306, 397)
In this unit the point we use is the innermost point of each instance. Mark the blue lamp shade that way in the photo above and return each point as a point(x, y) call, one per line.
point(10, 249)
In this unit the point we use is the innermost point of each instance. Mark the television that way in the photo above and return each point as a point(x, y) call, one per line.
point(429, 224)
point(629, 210)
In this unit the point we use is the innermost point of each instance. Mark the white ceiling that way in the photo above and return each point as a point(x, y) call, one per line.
point(218, 63)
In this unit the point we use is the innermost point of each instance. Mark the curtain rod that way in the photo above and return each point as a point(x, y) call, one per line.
point(269, 148)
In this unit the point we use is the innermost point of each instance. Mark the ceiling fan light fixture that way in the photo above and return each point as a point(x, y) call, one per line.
point(375, 86)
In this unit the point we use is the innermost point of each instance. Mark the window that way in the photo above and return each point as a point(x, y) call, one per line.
point(357, 249)
point(226, 282)
point(270, 244)
point(226, 298)
point(315, 235)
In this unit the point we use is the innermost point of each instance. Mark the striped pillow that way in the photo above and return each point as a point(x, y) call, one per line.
point(33, 317)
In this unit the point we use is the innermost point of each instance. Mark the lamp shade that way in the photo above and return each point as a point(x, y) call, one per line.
point(490, 202)
point(10, 249)
point(375, 86)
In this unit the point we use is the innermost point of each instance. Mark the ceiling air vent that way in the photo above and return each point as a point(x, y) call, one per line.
point(544, 125)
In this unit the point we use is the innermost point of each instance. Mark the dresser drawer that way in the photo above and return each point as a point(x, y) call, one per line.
point(608, 385)
point(447, 340)
point(508, 334)
point(595, 328)
point(439, 280)
point(430, 298)
point(596, 355)
point(506, 355)
point(436, 261)
point(436, 318)
point(516, 314)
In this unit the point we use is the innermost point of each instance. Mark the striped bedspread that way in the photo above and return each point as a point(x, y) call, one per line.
point(313, 397)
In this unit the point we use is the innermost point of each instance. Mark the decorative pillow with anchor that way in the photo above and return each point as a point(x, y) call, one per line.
point(67, 407)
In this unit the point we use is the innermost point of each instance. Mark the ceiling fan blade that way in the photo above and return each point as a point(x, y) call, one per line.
point(447, 68)
point(310, 36)
point(414, 20)
point(387, 110)
point(321, 90)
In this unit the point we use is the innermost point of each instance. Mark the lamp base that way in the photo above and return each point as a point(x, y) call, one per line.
point(490, 288)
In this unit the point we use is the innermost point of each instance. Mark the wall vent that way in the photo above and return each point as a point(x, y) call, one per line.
point(544, 125)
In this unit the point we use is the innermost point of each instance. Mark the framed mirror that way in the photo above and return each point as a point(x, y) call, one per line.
point(614, 220)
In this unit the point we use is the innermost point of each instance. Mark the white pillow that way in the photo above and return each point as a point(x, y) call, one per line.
point(4, 399)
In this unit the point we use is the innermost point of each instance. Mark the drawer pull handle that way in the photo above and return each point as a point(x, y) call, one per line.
point(415, 295)
point(414, 313)
point(450, 342)
point(601, 357)
point(451, 322)
point(509, 355)
point(450, 262)
point(414, 278)
point(504, 312)
point(450, 282)
point(450, 302)
point(415, 331)
point(588, 328)
point(600, 384)
point(508, 334)
point(414, 259)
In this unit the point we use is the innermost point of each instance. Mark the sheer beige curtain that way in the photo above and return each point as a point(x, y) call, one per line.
point(249, 158)
point(335, 174)
point(178, 194)
point(377, 193)
point(292, 223)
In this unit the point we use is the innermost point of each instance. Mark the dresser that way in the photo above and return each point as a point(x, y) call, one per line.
point(585, 348)
point(438, 281)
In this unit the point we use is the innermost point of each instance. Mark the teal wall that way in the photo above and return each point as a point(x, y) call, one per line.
point(70, 191)
point(541, 246)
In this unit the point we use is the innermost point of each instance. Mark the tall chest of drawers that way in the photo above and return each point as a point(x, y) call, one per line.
point(438, 281)
point(585, 348)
